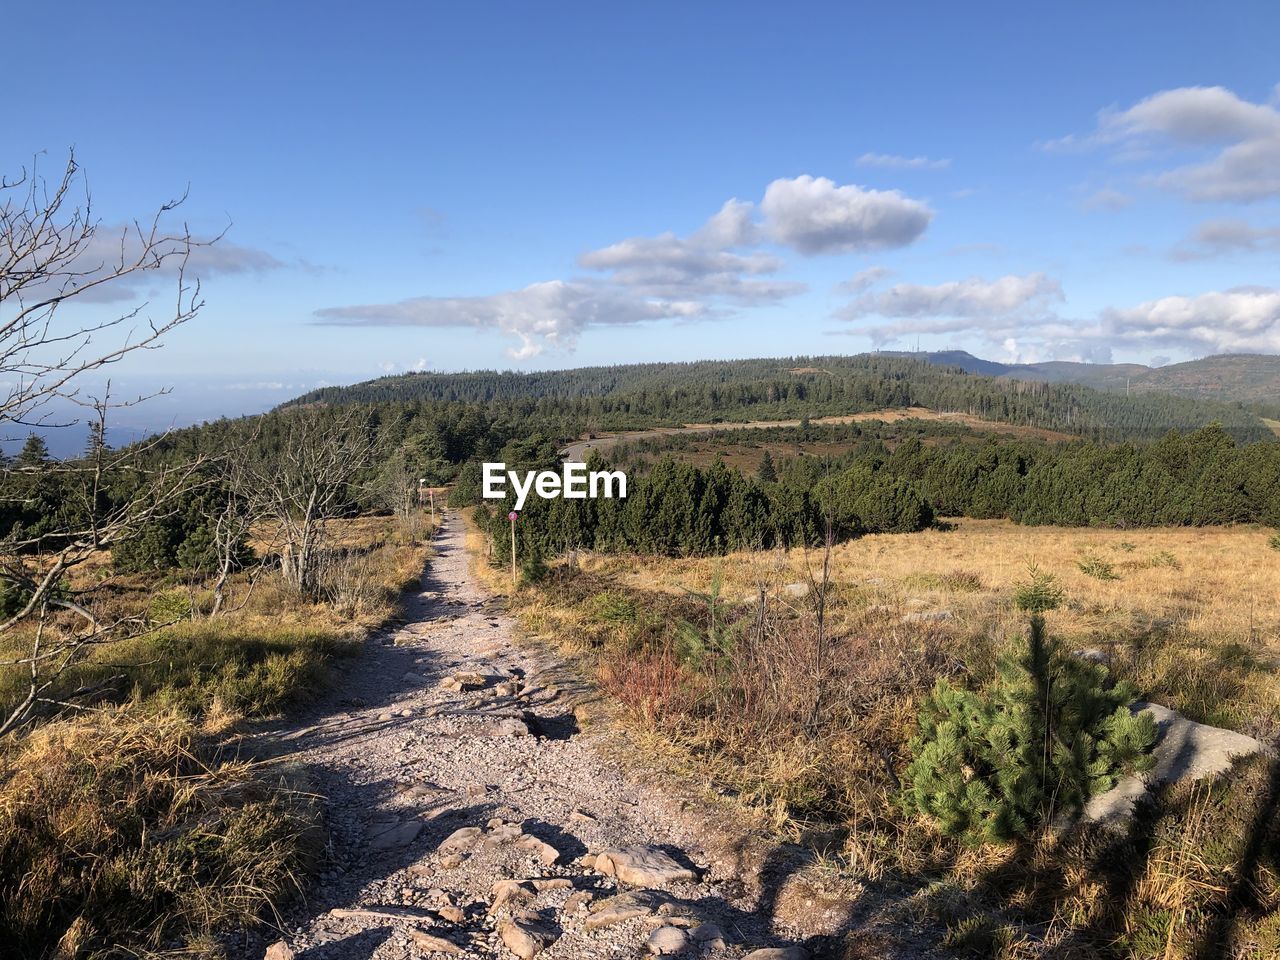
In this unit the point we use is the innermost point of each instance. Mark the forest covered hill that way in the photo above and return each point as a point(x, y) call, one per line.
point(654, 394)
point(1252, 379)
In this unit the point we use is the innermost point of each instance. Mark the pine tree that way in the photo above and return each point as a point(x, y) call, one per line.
point(97, 441)
point(34, 452)
point(534, 568)
point(1046, 735)
point(767, 473)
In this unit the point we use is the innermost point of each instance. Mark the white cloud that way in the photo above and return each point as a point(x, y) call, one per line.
point(1231, 321)
point(672, 277)
point(731, 226)
point(814, 215)
point(895, 162)
point(1018, 312)
point(1222, 237)
point(546, 314)
point(1243, 136)
point(112, 246)
point(962, 300)
point(699, 266)
point(863, 280)
point(1193, 115)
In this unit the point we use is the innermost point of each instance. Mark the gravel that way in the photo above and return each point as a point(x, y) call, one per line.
point(467, 811)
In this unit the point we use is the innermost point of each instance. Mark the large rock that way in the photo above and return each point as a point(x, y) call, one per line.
point(392, 835)
point(430, 943)
point(624, 907)
point(778, 953)
point(667, 940)
point(927, 616)
point(1184, 751)
point(511, 727)
point(544, 851)
point(526, 940)
point(642, 866)
point(504, 891)
point(460, 840)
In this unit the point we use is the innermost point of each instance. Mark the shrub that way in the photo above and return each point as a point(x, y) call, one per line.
point(1043, 737)
point(1275, 541)
point(650, 686)
point(169, 607)
point(613, 607)
point(1096, 567)
point(534, 568)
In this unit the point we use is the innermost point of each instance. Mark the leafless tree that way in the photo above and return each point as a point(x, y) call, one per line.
point(231, 528)
point(54, 254)
point(305, 482)
point(399, 489)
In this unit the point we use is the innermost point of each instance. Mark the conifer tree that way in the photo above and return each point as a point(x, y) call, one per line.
point(767, 473)
point(1046, 735)
point(35, 451)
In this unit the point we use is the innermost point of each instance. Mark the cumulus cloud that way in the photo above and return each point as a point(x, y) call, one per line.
point(1242, 137)
point(1223, 237)
point(815, 215)
point(546, 314)
point(1021, 310)
point(1005, 298)
point(674, 277)
point(699, 266)
point(1242, 320)
point(895, 162)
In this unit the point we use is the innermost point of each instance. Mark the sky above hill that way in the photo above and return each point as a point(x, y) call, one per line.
point(449, 186)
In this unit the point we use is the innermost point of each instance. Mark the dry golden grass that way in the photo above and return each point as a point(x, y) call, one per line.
point(1193, 612)
point(1192, 616)
point(125, 830)
point(268, 647)
point(123, 834)
point(604, 441)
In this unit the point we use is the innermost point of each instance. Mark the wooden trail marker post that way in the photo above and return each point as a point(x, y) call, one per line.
point(512, 517)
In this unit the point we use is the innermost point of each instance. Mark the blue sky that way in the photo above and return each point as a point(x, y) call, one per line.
point(449, 186)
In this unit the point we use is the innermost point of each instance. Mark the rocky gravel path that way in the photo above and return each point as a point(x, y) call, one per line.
point(470, 817)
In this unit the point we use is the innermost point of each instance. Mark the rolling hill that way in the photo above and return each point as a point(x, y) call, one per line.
point(642, 396)
point(1248, 378)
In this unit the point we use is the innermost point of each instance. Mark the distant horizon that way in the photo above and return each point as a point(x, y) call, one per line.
point(191, 401)
point(578, 185)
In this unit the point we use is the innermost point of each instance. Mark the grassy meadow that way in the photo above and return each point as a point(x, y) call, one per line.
point(734, 670)
point(130, 825)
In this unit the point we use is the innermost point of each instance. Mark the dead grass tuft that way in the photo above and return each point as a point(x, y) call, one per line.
point(121, 832)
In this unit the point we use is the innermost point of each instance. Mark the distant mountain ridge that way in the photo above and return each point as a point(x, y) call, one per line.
point(1248, 378)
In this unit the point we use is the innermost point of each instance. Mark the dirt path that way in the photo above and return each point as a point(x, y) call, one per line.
point(436, 795)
